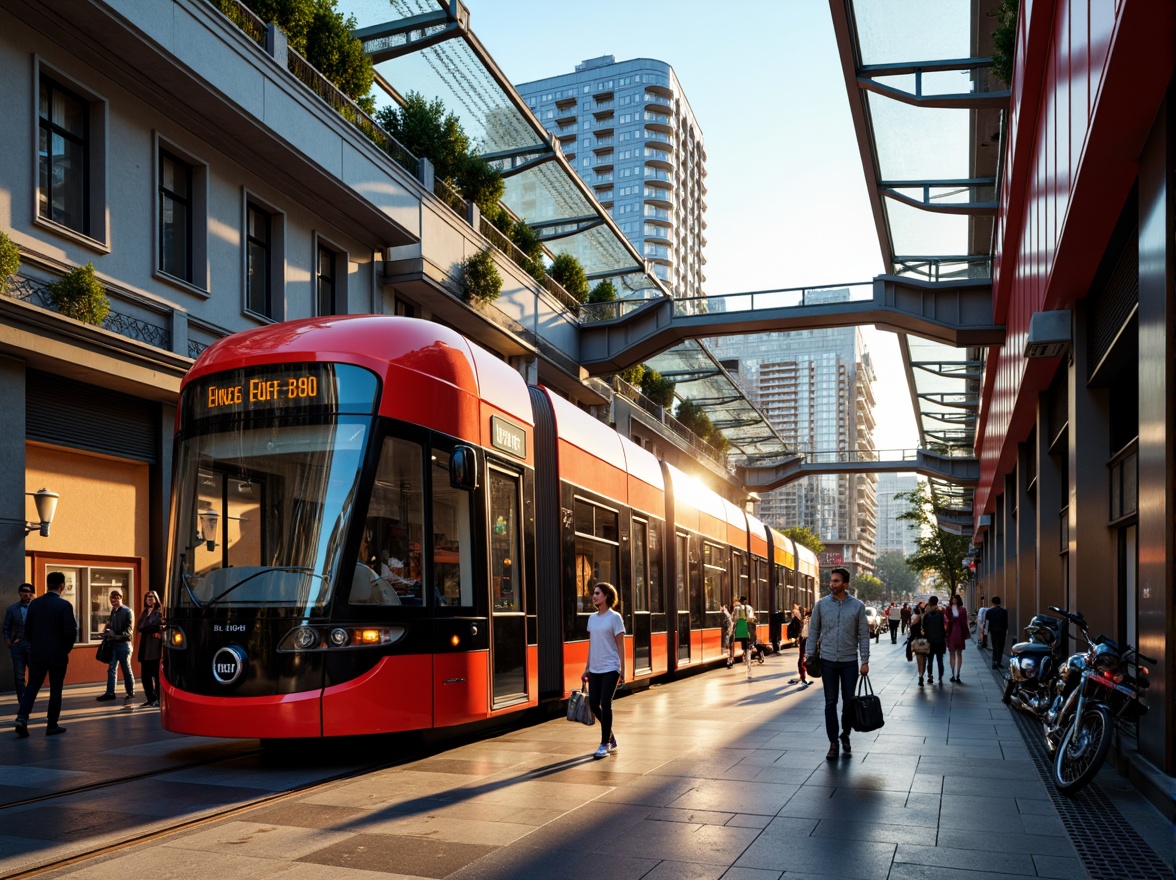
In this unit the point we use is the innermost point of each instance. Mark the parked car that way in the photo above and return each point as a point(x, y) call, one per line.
point(876, 620)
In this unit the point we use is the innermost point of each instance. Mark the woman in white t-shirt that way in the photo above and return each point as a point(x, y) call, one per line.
point(605, 670)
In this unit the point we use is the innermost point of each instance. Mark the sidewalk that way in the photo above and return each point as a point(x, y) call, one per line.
point(716, 777)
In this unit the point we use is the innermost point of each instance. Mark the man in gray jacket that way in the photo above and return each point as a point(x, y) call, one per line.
point(838, 634)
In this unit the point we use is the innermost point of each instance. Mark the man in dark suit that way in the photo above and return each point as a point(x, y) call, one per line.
point(14, 638)
point(997, 620)
point(52, 629)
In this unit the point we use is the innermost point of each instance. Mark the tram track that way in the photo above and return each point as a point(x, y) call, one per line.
point(183, 825)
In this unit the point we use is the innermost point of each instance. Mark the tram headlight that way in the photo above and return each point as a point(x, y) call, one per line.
point(306, 638)
point(176, 639)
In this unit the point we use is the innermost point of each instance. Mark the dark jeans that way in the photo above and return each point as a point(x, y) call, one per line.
point(37, 675)
point(843, 675)
point(149, 676)
point(601, 687)
point(998, 640)
point(893, 631)
point(20, 668)
point(801, 656)
point(937, 651)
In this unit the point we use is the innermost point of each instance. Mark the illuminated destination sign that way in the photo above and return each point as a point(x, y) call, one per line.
point(281, 388)
point(509, 438)
point(262, 392)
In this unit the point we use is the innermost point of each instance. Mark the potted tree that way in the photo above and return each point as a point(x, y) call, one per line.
point(80, 295)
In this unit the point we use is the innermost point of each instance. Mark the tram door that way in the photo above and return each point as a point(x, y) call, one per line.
point(508, 623)
point(642, 632)
point(682, 586)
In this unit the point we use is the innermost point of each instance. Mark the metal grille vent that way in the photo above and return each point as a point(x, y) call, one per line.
point(1113, 303)
point(1107, 844)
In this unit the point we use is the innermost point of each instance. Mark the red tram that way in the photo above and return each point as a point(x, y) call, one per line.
point(377, 526)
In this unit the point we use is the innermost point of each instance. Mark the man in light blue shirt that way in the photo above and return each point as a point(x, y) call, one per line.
point(840, 633)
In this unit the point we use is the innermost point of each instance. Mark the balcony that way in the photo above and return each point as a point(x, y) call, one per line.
point(659, 159)
point(658, 103)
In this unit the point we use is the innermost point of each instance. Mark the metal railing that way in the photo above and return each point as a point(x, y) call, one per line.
point(35, 292)
point(449, 196)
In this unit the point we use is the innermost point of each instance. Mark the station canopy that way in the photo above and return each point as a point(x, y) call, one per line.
point(930, 118)
point(428, 47)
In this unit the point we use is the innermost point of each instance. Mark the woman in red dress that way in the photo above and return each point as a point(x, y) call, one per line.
point(958, 631)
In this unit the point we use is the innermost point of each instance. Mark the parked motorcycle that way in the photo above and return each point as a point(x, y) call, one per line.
point(1033, 665)
point(1095, 689)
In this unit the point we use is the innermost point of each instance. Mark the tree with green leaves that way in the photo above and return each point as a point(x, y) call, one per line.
point(566, 270)
point(633, 375)
point(894, 573)
point(937, 552)
point(868, 588)
point(804, 536)
point(1004, 40)
point(323, 36)
point(526, 239)
point(604, 291)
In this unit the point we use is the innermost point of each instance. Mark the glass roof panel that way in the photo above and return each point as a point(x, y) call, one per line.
point(915, 232)
point(699, 377)
point(494, 118)
point(891, 31)
point(919, 143)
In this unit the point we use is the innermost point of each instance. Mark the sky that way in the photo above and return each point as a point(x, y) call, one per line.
point(787, 204)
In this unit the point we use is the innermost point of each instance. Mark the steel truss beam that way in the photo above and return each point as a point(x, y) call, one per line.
point(393, 39)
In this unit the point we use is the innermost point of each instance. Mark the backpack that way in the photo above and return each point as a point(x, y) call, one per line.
point(794, 628)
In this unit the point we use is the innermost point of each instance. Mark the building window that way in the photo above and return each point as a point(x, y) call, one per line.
point(70, 158)
point(175, 216)
point(264, 260)
point(331, 273)
point(258, 244)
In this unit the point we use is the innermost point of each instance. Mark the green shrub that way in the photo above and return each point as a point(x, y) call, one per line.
point(9, 260)
point(566, 269)
point(657, 387)
point(80, 295)
point(481, 278)
point(1004, 40)
point(481, 183)
point(633, 375)
point(527, 240)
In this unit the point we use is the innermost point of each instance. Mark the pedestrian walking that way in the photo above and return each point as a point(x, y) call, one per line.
point(958, 632)
point(14, 638)
point(605, 670)
point(120, 631)
point(841, 634)
point(998, 628)
point(982, 625)
point(915, 633)
point(935, 631)
point(893, 619)
point(744, 616)
point(728, 633)
point(798, 632)
point(905, 617)
point(149, 650)
point(52, 629)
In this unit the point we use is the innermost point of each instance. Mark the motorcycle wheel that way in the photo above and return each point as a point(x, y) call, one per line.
point(1082, 750)
point(1007, 696)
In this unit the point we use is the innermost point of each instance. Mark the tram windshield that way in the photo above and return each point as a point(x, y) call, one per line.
point(267, 469)
point(262, 512)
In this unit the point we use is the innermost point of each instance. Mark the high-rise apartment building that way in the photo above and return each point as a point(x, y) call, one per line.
point(816, 388)
point(628, 130)
point(893, 533)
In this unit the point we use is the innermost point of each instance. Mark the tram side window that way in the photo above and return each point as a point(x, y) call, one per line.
point(714, 576)
point(597, 551)
point(390, 564)
point(506, 575)
point(760, 581)
point(640, 565)
point(656, 581)
point(453, 576)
